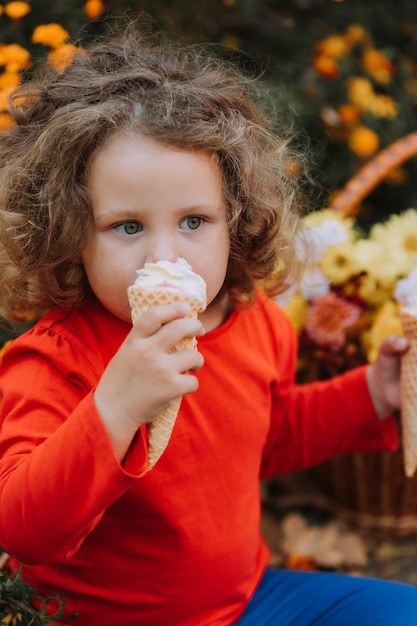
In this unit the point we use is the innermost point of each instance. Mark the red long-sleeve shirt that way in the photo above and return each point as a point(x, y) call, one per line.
point(179, 545)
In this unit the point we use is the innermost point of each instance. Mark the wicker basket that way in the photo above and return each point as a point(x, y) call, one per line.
point(371, 490)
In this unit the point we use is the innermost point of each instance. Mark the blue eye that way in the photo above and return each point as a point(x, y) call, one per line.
point(128, 228)
point(192, 223)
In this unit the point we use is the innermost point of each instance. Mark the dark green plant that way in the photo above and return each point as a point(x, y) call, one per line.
point(21, 605)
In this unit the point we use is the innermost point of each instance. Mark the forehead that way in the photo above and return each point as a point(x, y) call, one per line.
point(143, 172)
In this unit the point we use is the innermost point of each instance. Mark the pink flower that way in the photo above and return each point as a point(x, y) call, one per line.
point(328, 317)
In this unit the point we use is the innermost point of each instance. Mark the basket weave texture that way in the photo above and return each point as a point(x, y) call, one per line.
point(371, 490)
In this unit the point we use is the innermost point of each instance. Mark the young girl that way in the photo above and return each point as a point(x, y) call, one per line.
point(142, 151)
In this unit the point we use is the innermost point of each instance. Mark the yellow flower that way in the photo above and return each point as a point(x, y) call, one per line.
point(62, 57)
point(361, 93)
point(359, 89)
point(17, 10)
point(375, 289)
point(363, 141)
point(378, 281)
point(14, 57)
point(398, 237)
point(387, 321)
point(296, 309)
point(356, 34)
point(316, 218)
point(334, 47)
point(6, 121)
point(382, 106)
point(93, 9)
point(377, 65)
point(378, 256)
point(51, 35)
point(338, 263)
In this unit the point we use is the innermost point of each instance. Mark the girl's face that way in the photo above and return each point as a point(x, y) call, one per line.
point(151, 203)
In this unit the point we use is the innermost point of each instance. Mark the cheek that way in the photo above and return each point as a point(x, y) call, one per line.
point(214, 273)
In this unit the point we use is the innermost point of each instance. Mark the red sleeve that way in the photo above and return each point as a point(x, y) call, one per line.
point(58, 470)
point(314, 422)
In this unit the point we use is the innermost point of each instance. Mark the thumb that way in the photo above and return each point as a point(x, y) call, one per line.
point(394, 345)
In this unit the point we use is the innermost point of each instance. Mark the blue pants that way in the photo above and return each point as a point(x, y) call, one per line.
point(294, 598)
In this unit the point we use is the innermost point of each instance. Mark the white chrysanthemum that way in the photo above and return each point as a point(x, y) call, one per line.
point(406, 287)
point(315, 218)
point(316, 240)
point(314, 284)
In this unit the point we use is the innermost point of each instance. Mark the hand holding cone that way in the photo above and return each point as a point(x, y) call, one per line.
point(165, 283)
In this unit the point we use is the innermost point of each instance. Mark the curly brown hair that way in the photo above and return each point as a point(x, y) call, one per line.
point(181, 95)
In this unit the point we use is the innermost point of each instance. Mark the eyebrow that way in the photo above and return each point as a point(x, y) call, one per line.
point(135, 215)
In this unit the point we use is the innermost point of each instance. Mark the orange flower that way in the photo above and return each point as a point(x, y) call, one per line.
point(62, 57)
point(94, 8)
point(326, 66)
point(363, 141)
point(10, 79)
point(51, 35)
point(14, 57)
point(397, 176)
point(356, 34)
point(334, 47)
point(4, 98)
point(349, 114)
point(17, 10)
point(6, 121)
point(377, 65)
point(327, 319)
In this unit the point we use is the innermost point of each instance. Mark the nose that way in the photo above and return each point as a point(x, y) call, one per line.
point(162, 247)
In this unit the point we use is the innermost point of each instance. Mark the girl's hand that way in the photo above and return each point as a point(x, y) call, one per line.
point(144, 377)
point(384, 375)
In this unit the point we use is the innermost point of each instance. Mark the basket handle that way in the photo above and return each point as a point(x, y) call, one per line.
point(370, 175)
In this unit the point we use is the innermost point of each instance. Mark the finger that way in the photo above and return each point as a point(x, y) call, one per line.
point(394, 344)
point(188, 384)
point(157, 316)
point(168, 336)
point(187, 360)
point(176, 331)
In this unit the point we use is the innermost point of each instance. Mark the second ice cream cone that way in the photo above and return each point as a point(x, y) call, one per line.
point(409, 391)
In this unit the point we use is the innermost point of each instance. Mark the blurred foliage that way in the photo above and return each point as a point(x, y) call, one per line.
point(281, 39)
point(305, 52)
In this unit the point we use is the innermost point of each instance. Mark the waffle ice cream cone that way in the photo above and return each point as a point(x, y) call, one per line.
point(409, 389)
point(165, 283)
